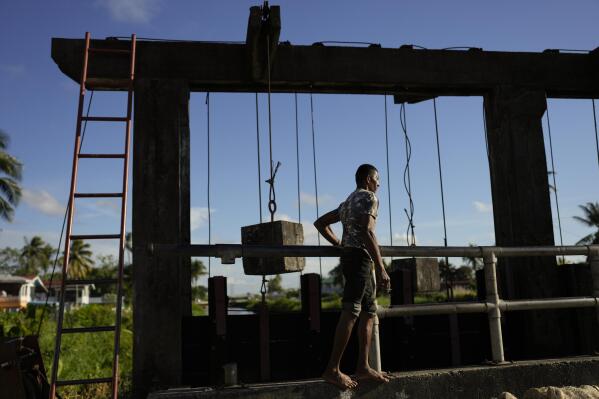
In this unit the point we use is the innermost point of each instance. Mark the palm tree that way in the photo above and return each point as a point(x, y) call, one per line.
point(80, 259)
point(591, 219)
point(129, 246)
point(10, 191)
point(35, 256)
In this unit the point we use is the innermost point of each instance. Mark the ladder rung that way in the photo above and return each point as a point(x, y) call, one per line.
point(98, 195)
point(85, 381)
point(76, 330)
point(105, 118)
point(109, 50)
point(97, 281)
point(92, 83)
point(95, 236)
point(101, 155)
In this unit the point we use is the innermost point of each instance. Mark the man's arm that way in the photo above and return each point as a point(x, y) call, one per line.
point(323, 225)
point(367, 224)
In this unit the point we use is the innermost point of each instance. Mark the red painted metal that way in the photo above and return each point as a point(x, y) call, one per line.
point(71, 209)
point(117, 335)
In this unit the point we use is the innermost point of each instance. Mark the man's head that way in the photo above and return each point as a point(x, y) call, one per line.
point(367, 177)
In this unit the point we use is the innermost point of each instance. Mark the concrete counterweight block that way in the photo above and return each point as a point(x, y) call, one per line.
point(425, 272)
point(279, 232)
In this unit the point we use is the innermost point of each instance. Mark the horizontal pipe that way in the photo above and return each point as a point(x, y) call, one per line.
point(484, 307)
point(433, 309)
point(231, 251)
point(552, 303)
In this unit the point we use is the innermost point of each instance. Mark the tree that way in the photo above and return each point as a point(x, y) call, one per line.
point(35, 256)
point(197, 269)
point(447, 272)
point(129, 246)
point(274, 285)
point(591, 219)
point(336, 274)
point(10, 175)
point(474, 263)
point(80, 259)
point(9, 260)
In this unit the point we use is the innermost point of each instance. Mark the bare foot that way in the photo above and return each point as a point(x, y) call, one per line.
point(339, 379)
point(370, 374)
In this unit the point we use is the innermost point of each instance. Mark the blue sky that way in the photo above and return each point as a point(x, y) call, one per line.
point(38, 109)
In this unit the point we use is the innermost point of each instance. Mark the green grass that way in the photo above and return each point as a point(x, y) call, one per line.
point(83, 355)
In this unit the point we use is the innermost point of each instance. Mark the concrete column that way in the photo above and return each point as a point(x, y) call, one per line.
point(522, 209)
point(162, 282)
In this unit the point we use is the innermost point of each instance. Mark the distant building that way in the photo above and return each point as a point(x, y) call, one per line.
point(17, 291)
point(76, 294)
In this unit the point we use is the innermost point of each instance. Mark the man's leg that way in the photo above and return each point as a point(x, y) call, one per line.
point(333, 374)
point(363, 369)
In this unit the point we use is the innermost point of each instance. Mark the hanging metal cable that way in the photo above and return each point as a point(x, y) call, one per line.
point(297, 158)
point(258, 156)
point(596, 135)
point(559, 221)
point(440, 171)
point(388, 173)
point(440, 178)
point(208, 177)
point(410, 236)
point(315, 175)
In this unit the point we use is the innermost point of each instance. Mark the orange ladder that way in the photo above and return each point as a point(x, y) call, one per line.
point(81, 119)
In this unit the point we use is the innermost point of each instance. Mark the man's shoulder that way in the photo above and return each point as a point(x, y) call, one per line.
point(364, 194)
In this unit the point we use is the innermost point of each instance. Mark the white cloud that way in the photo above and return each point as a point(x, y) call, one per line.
point(309, 199)
point(112, 206)
point(198, 217)
point(131, 10)
point(12, 70)
point(43, 202)
point(402, 239)
point(483, 207)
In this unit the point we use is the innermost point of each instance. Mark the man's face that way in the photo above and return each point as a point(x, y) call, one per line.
point(372, 182)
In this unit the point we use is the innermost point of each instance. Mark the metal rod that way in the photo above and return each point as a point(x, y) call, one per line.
point(374, 355)
point(553, 303)
point(594, 263)
point(433, 309)
point(490, 262)
point(485, 307)
point(123, 225)
point(71, 211)
point(231, 251)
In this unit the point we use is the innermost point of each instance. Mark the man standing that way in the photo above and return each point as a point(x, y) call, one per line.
point(360, 254)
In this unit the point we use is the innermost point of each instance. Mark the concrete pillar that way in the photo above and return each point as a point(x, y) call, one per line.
point(162, 282)
point(522, 209)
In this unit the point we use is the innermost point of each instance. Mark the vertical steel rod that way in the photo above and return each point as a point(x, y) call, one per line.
point(374, 355)
point(494, 312)
point(71, 209)
point(594, 263)
point(119, 297)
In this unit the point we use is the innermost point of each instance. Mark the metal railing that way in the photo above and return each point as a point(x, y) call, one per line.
point(493, 306)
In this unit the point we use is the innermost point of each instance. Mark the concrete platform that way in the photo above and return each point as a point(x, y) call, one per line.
point(479, 382)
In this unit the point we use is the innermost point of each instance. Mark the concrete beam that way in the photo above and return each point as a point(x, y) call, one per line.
point(162, 284)
point(522, 207)
point(328, 69)
point(456, 383)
